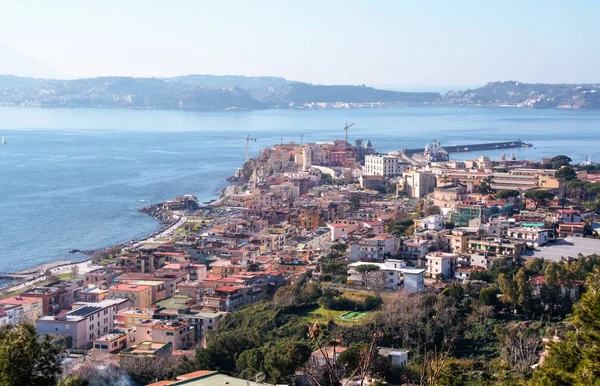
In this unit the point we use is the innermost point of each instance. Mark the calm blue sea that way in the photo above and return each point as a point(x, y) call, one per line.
point(75, 178)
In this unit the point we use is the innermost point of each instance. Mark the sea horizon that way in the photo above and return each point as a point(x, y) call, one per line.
point(76, 178)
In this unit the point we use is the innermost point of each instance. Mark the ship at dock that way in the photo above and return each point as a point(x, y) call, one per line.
point(434, 152)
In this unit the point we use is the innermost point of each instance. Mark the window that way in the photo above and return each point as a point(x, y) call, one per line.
point(169, 333)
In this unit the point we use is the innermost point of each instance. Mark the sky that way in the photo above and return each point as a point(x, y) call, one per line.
point(394, 44)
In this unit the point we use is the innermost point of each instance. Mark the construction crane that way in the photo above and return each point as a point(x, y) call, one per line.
point(346, 129)
point(229, 137)
point(248, 139)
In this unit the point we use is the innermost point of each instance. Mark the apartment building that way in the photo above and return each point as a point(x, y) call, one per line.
point(441, 264)
point(139, 295)
point(178, 333)
point(418, 184)
point(384, 165)
point(85, 323)
point(496, 246)
point(375, 248)
point(31, 308)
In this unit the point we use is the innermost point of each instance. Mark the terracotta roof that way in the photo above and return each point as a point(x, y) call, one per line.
point(129, 287)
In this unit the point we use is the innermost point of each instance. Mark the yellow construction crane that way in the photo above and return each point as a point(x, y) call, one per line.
point(346, 129)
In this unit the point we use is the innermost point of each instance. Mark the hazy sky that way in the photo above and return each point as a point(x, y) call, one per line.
point(392, 43)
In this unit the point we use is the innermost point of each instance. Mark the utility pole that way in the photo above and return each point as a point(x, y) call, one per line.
point(248, 139)
point(301, 139)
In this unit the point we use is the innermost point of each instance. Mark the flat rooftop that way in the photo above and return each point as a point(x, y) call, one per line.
point(568, 247)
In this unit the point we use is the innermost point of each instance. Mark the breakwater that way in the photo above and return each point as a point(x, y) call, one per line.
point(475, 147)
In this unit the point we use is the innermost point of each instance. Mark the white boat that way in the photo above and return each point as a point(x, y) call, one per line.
point(3, 141)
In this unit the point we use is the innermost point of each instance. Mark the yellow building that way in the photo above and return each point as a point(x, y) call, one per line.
point(139, 295)
point(32, 307)
point(129, 317)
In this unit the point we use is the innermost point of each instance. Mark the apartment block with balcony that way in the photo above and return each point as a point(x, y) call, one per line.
point(496, 246)
point(139, 295)
point(85, 323)
point(440, 264)
point(376, 248)
point(178, 333)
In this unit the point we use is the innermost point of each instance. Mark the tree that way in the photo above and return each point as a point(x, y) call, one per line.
point(355, 202)
point(551, 289)
point(353, 355)
point(505, 195)
point(432, 209)
point(339, 247)
point(566, 173)
point(282, 358)
point(524, 290)
point(519, 344)
point(538, 196)
point(485, 186)
point(489, 296)
point(148, 370)
point(508, 288)
point(26, 361)
point(366, 268)
point(559, 161)
point(74, 271)
point(574, 361)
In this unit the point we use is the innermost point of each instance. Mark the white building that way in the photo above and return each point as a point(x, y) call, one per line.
point(398, 357)
point(11, 313)
point(374, 248)
point(384, 165)
point(434, 222)
point(440, 263)
point(396, 274)
point(414, 249)
point(482, 260)
point(85, 323)
point(342, 228)
point(532, 236)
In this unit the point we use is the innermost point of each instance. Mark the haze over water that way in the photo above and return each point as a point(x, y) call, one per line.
point(75, 178)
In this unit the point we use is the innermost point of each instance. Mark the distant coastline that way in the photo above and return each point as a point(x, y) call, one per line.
point(239, 93)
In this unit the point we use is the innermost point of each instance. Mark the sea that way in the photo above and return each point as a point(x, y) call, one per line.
point(76, 178)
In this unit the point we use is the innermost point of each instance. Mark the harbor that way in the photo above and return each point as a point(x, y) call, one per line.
point(475, 147)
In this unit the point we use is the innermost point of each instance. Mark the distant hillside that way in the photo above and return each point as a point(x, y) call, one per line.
point(304, 93)
point(195, 92)
point(528, 95)
point(229, 81)
point(216, 93)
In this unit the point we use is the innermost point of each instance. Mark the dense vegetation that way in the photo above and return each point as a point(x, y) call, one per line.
point(481, 333)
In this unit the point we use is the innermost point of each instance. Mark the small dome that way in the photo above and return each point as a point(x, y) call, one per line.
point(395, 153)
point(368, 144)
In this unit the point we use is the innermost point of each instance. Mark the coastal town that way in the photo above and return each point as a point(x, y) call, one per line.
point(340, 216)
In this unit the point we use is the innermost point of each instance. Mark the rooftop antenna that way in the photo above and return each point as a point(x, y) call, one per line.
point(346, 129)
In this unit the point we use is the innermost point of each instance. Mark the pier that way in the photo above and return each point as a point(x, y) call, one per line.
point(475, 147)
